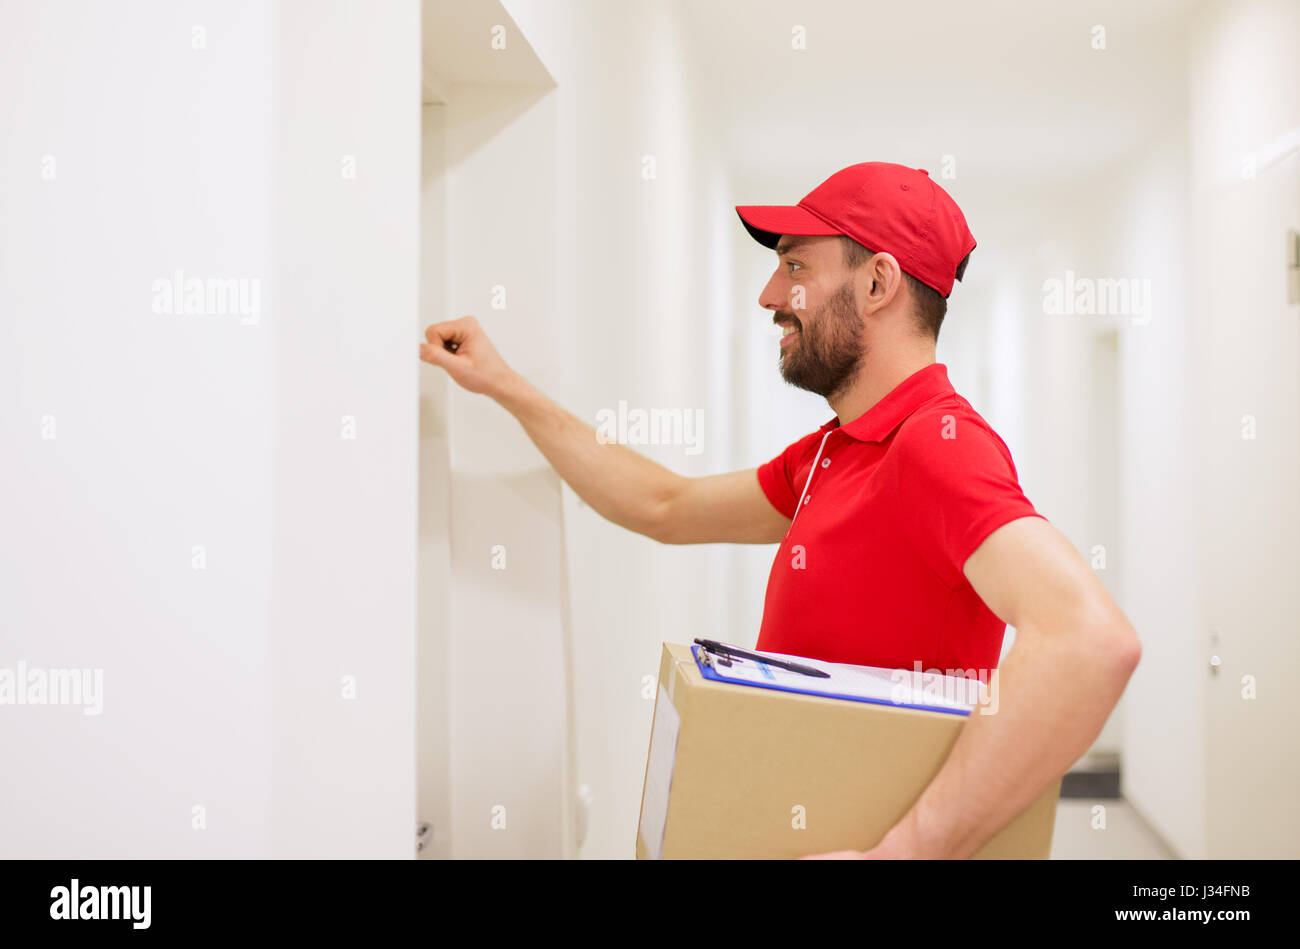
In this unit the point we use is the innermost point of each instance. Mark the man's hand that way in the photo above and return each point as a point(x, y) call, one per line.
point(464, 350)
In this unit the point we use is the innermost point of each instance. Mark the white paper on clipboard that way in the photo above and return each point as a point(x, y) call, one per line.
point(893, 686)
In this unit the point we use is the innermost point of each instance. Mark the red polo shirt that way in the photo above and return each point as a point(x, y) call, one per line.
point(870, 571)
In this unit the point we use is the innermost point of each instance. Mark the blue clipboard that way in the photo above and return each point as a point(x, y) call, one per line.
point(709, 672)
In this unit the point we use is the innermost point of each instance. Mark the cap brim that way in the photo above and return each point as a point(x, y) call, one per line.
point(766, 223)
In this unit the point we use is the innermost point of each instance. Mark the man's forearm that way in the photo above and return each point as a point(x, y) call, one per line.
point(619, 484)
point(1054, 695)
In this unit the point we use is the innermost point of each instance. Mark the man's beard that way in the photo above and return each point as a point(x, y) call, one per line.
point(825, 357)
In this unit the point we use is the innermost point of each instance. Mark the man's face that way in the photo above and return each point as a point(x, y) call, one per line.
point(812, 299)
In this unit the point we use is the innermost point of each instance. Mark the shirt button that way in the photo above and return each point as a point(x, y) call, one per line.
point(807, 498)
point(826, 462)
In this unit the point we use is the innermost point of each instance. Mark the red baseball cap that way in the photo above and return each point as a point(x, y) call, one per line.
point(885, 208)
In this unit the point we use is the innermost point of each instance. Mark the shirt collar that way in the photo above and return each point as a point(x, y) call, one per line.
point(875, 424)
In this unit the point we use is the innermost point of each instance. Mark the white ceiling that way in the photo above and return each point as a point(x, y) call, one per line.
point(457, 43)
point(1011, 88)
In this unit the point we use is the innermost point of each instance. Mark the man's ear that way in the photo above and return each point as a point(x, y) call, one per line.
point(880, 281)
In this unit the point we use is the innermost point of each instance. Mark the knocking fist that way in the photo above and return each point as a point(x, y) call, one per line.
point(464, 350)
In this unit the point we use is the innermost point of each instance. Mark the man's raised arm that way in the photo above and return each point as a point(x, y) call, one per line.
point(619, 484)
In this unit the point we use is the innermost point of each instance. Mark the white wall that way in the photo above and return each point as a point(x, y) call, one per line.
point(346, 348)
point(636, 319)
point(507, 657)
point(433, 719)
point(1164, 755)
point(133, 437)
point(1245, 94)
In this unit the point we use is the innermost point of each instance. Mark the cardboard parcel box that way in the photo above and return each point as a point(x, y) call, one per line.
point(733, 770)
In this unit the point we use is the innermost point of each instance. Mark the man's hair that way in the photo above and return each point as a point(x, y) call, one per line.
point(931, 306)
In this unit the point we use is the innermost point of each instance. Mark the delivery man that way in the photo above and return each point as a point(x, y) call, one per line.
point(905, 537)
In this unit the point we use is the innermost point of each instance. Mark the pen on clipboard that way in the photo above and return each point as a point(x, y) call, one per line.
point(725, 650)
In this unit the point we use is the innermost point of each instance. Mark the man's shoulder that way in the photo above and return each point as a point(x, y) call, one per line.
point(945, 427)
point(947, 414)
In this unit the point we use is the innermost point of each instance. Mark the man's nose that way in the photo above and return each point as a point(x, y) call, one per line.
point(774, 294)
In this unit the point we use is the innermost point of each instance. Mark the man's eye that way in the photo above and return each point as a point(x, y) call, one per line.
point(792, 264)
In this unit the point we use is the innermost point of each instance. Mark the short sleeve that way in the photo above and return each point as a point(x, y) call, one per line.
point(779, 478)
point(957, 484)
